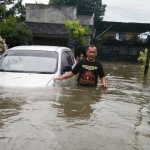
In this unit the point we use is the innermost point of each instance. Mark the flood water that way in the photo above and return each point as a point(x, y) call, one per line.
point(70, 117)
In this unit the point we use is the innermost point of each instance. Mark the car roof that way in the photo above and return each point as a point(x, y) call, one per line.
point(39, 47)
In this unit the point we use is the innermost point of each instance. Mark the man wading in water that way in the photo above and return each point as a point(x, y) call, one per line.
point(89, 69)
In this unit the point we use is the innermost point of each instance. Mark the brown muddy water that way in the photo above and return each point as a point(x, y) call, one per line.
point(70, 117)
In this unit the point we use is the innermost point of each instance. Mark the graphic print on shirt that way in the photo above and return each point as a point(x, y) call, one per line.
point(88, 76)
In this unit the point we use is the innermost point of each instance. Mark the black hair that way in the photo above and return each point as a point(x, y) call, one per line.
point(90, 46)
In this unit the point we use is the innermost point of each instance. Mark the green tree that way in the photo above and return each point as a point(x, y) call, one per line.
point(77, 32)
point(84, 7)
point(15, 33)
point(99, 10)
point(22, 34)
point(17, 10)
point(3, 10)
point(7, 28)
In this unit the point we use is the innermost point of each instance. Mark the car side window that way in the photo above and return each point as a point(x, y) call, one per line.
point(69, 58)
point(64, 61)
point(72, 56)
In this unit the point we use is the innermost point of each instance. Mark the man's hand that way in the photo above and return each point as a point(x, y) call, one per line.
point(103, 81)
point(104, 85)
point(66, 75)
point(59, 78)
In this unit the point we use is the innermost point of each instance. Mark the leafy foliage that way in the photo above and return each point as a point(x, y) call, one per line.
point(142, 57)
point(99, 10)
point(77, 32)
point(17, 10)
point(84, 7)
point(6, 2)
point(3, 9)
point(22, 34)
point(12, 27)
point(7, 28)
point(15, 33)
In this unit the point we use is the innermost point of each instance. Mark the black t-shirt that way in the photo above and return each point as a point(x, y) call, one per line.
point(88, 71)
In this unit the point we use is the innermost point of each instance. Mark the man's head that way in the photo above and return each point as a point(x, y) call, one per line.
point(91, 52)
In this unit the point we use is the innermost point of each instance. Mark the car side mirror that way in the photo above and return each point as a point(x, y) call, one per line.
point(67, 68)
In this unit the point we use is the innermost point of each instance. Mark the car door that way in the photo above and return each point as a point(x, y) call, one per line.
point(73, 58)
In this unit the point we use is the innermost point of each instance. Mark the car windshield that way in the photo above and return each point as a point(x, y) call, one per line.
point(29, 61)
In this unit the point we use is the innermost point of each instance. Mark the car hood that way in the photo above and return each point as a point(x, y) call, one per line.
point(25, 79)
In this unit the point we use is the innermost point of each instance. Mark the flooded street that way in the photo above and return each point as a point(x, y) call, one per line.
point(71, 117)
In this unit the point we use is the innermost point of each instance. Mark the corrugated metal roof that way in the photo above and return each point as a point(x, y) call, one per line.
point(122, 27)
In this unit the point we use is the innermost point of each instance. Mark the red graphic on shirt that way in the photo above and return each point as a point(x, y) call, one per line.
point(87, 78)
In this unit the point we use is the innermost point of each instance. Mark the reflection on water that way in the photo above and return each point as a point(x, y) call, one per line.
point(78, 102)
point(8, 108)
point(74, 117)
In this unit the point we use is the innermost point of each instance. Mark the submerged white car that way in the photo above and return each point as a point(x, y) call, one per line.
point(34, 66)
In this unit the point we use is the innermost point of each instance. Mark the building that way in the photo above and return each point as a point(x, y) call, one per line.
point(119, 40)
point(47, 23)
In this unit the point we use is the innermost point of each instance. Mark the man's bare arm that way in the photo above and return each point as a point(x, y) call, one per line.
point(103, 81)
point(66, 75)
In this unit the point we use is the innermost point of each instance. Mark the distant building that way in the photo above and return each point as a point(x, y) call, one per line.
point(119, 40)
point(47, 23)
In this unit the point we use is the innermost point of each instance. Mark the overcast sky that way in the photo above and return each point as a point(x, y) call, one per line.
point(121, 10)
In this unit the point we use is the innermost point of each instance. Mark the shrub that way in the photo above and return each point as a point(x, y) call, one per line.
point(3, 45)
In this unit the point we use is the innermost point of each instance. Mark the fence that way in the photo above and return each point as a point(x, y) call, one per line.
point(120, 53)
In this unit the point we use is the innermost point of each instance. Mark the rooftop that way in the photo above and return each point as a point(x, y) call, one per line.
point(122, 27)
point(47, 28)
